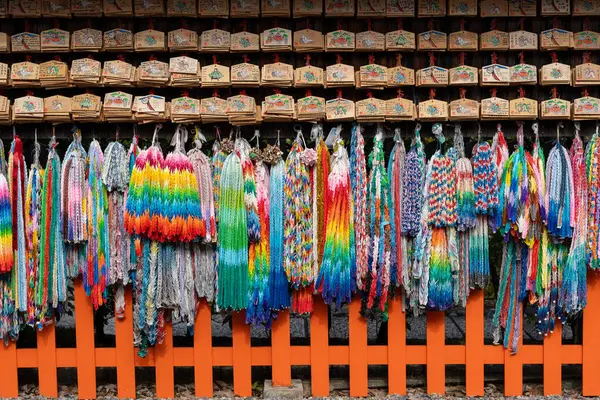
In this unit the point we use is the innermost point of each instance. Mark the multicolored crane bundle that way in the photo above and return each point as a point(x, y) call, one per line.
point(246, 229)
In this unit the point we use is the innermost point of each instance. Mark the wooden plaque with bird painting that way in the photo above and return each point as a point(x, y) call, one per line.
point(432, 41)
point(25, 42)
point(433, 110)
point(245, 74)
point(308, 40)
point(462, 8)
point(432, 77)
point(555, 7)
point(463, 41)
point(587, 74)
point(493, 8)
point(522, 8)
point(400, 8)
point(118, 40)
point(56, 8)
point(495, 75)
point(370, 41)
point(556, 39)
point(464, 110)
point(245, 9)
point(275, 8)
point(182, 40)
point(494, 40)
point(523, 40)
point(213, 8)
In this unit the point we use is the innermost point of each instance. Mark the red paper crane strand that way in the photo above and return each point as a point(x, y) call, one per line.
point(28, 58)
point(88, 24)
point(370, 94)
point(585, 93)
point(214, 58)
point(521, 92)
point(431, 59)
point(214, 23)
point(369, 25)
point(307, 60)
point(56, 23)
point(399, 93)
point(398, 60)
point(431, 94)
point(307, 93)
point(276, 58)
point(151, 92)
point(430, 24)
point(276, 22)
point(522, 24)
point(243, 92)
point(183, 23)
point(339, 93)
point(244, 25)
point(587, 57)
point(586, 24)
point(494, 92)
point(307, 23)
point(215, 93)
point(522, 58)
point(121, 57)
point(185, 93)
point(338, 58)
point(371, 59)
point(152, 57)
point(57, 58)
point(462, 56)
point(554, 93)
point(494, 58)
point(462, 24)
point(555, 22)
point(151, 24)
point(400, 24)
point(554, 57)
point(339, 25)
point(463, 92)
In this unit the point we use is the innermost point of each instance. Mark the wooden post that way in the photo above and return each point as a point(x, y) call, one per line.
point(436, 342)
point(125, 350)
point(474, 344)
point(357, 328)
point(46, 360)
point(242, 356)
point(165, 373)
point(9, 384)
point(396, 347)
point(280, 350)
point(319, 350)
point(513, 367)
point(203, 359)
point(84, 329)
point(591, 330)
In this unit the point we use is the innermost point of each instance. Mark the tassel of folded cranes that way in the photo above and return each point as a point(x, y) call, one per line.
point(247, 228)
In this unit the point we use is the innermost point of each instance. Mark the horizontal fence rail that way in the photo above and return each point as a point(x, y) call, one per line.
point(281, 355)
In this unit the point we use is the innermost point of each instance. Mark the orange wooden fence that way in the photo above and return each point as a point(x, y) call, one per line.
point(474, 354)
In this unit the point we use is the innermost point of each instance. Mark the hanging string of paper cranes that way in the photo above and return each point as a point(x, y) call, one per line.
point(248, 229)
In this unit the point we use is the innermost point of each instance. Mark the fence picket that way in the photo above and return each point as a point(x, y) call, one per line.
point(513, 367)
point(46, 361)
point(9, 383)
point(280, 353)
point(357, 331)
point(165, 373)
point(436, 367)
point(474, 370)
point(591, 327)
point(242, 356)
point(552, 362)
point(203, 357)
point(319, 350)
point(396, 347)
point(125, 351)
point(84, 330)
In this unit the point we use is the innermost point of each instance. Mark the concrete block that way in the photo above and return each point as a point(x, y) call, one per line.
point(294, 391)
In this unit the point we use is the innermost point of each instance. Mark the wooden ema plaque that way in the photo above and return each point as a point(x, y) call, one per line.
point(400, 109)
point(494, 108)
point(432, 77)
point(4, 43)
point(587, 74)
point(25, 42)
point(432, 41)
point(555, 7)
point(464, 110)
point(4, 74)
point(118, 40)
point(57, 105)
point(215, 40)
point(186, 106)
point(555, 74)
point(25, 8)
point(493, 8)
point(245, 9)
point(310, 106)
point(181, 8)
point(86, 103)
point(523, 74)
point(370, 110)
point(584, 8)
point(3, 14)
point(370, 8)
point(272, 8)
point(29, 106)
point(241, 104)
point(555, 109)
point(216, 75)
point(213, 106)
point(522, 8)
point(308, 40)
point(25, 71)
point(433, 110)
point(86, 8)
point(308, 76)
point(86, 39)
point(53, 69)
point(117, 8)
point(340, 40)
point(523, 108)
point(56, 8)
point(462, 8)
point(463, 41)
point(556, 39)
point(154, 70)
point(245, 42)
point(400, 8)
point(183, 65)
point(432, 8)
point(463, 75)
point(278, 106)
point(55, 40)
point(373, 74)
point(339, 110)
point(586, 40)
point(277, 74)
point(149, 8)
point(213, 8)
point(245, 74)
point(400, 76)
point(586, 107)
point(339, 8)
point(276, 39)
point(523, 40)
point(495, 75)
point(149, 40)
point(308, 8)
point(118, 100)
point(400, 41)
point(339, 75)
point(149, 104)
point(370, 41)
point(85, 68)
point(494, 40)
point(182, 40)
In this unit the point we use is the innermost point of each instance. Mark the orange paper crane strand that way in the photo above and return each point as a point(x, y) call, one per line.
point(462, 58)
point(554, 93)
point(214, 58)
point(307, 93)
point(276, 58)
point(494, 58)
point(493, 92)
point(521, 92)
point(587, 57)
point(522, 58)
point(585, 93)
point(339, 93)
point(431, 94)
point(245, 58)
point(431, 59)
point(554, 56)
point(338, 58)
point(463, 92)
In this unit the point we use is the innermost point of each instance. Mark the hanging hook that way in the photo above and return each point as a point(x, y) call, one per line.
point(478, 133)
point(278, 132)
point(558, 128)
point(257, 137)
point(157, 128)
point(536, 128)
point(397, 135)
point(577, 128)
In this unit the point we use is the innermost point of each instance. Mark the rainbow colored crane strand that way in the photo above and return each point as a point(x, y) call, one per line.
point(258, 311)
point(52, 277)
point(297, 219)
point(203, 251)
point(17, 175)
point(95, 276)
point(358, 181)
point(115, 177)
point(146, 198)
point(218, 159)
point(396, 172)
point(559, 193)
point(232, 292)
point(33, 215)
point(380, 251)
point(250, 201)
point(573, 291)
point(320, 202)
point(500, 157)
point(6, 233)
point(337, 276)
point(592, 162)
